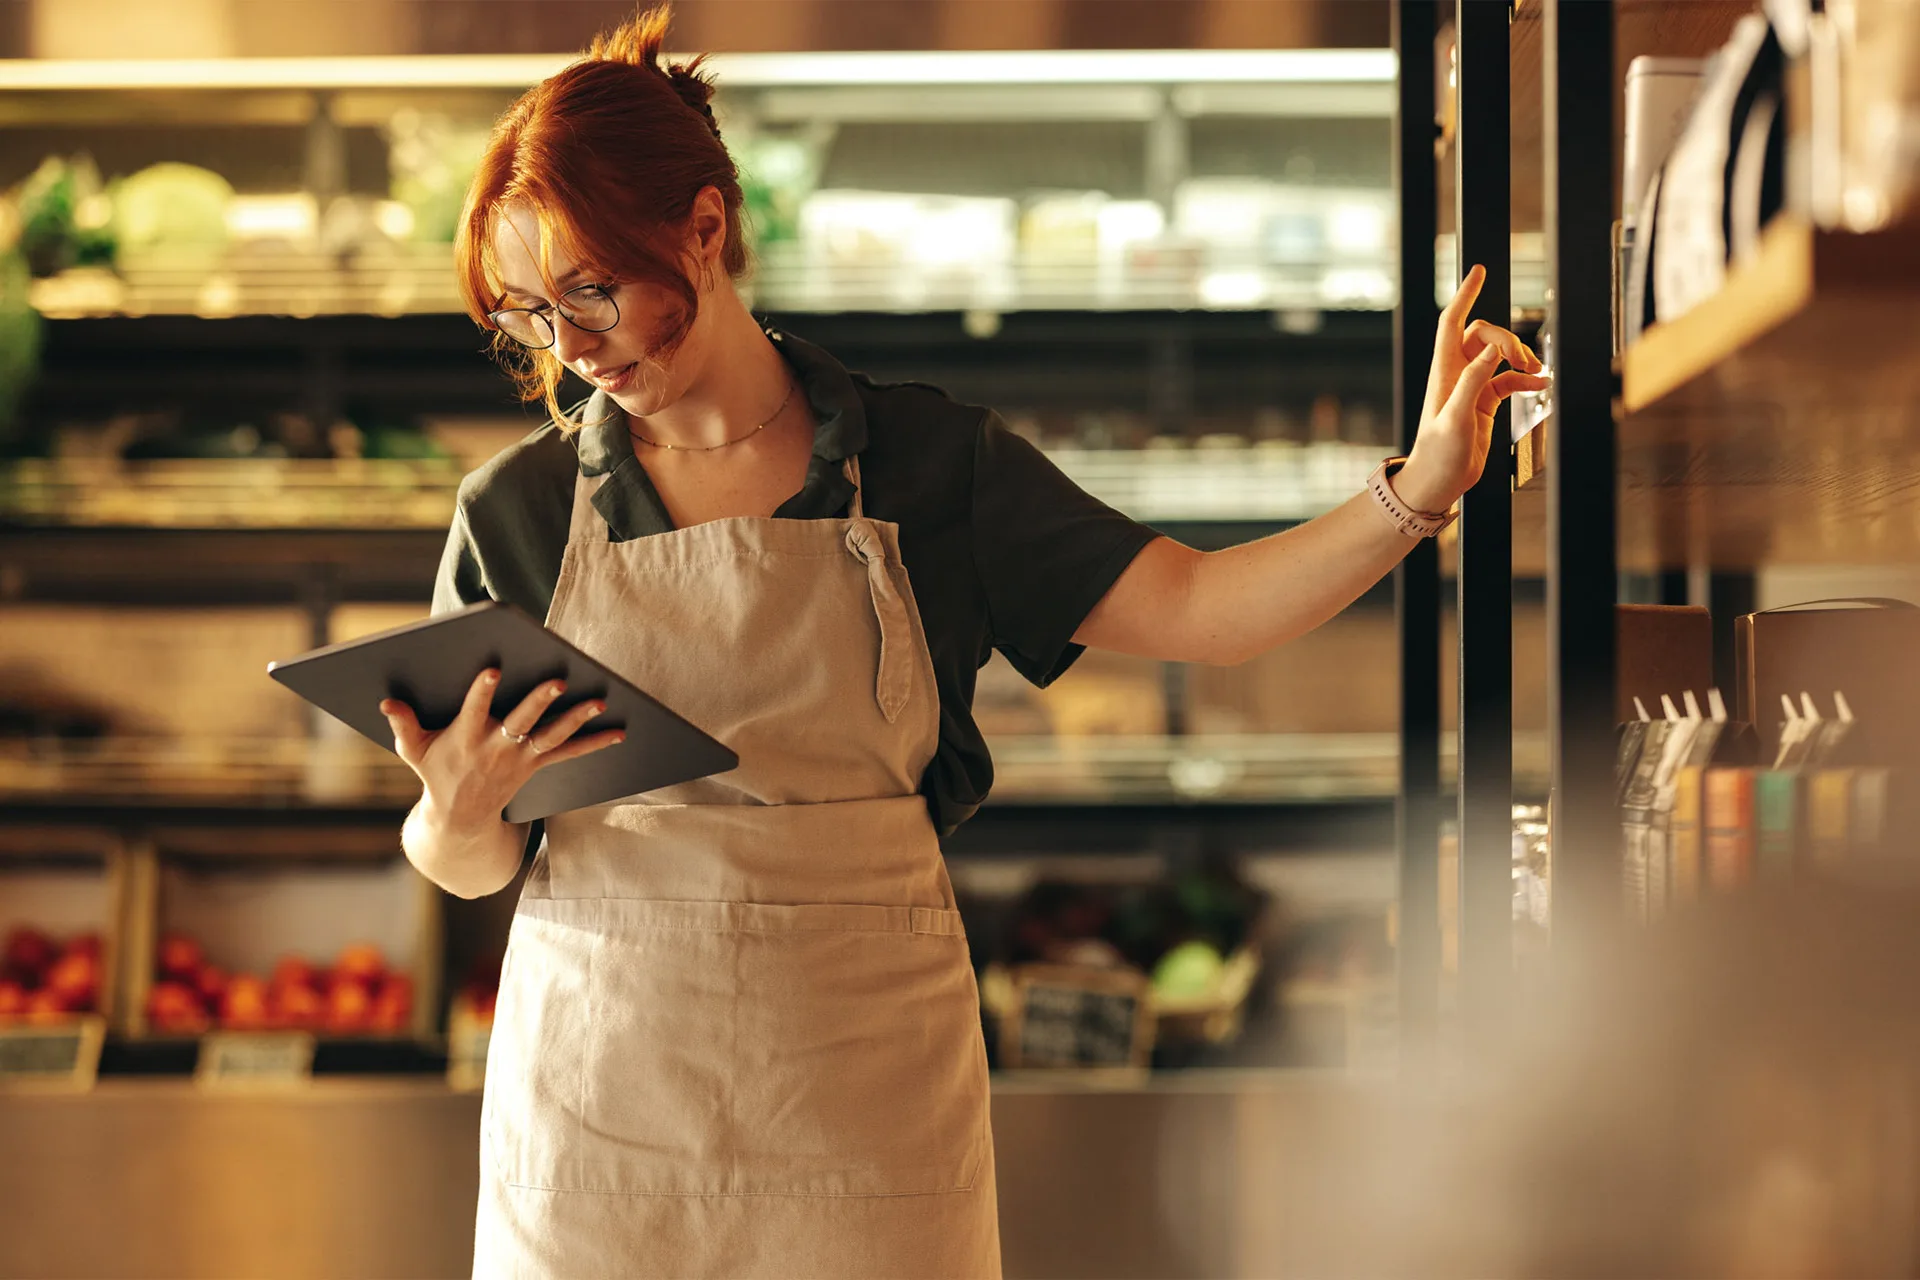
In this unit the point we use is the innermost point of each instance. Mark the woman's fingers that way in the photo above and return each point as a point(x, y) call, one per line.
point(477, 707)
point(1513, 382)
point(1457, 309)
point(582, 746)
point(409, 739)
point(522, 718)
point(555, 735)
point(1482, 334)
point(1474, 379)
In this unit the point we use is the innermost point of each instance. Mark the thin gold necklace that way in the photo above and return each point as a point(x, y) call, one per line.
point(709, 448)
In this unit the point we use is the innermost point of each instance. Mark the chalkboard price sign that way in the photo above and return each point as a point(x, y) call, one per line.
point(62, 1057)
point(1066, 1016)
point(265, 1060)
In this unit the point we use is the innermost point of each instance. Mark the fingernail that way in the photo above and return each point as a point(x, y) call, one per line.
point(619, 738)
point(557, 688)
point(491, 677)
point(599, 708)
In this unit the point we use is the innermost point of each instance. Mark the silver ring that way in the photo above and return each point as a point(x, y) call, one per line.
point(517, 739)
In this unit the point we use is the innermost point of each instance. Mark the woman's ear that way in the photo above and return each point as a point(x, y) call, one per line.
point(707, 225)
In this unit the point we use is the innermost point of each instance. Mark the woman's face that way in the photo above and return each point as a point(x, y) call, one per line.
point(617, 360)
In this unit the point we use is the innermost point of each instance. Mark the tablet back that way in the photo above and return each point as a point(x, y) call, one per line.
point(430, 665)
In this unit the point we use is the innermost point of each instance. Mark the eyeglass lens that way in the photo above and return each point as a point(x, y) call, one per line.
point(587, 307)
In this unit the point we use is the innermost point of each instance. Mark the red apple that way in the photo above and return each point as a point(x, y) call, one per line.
point(296, 1007)
point(245, 1006)
point(13, 1000)
point(180, 958)
point(349, 1007)
point(27, 954)
point(211, 982)
point(393, 1007)
point(75, 979)
point(361, 962)
point(174, 1009)
point(292, 971)
point(44, 1007)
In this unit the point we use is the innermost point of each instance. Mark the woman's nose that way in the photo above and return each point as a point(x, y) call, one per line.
point(570, 342)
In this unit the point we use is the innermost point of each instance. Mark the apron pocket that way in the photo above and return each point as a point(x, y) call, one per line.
point(859, 1063)
point(745, 1049)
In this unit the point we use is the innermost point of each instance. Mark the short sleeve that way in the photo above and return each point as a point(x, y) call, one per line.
point(1045, 549)
point(462, 580)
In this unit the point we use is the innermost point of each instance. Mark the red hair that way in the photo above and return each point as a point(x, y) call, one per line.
point(608, 155)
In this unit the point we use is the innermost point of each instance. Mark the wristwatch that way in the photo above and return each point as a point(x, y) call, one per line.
point(1414, 524)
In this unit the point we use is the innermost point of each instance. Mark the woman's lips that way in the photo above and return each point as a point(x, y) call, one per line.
point(615, 379)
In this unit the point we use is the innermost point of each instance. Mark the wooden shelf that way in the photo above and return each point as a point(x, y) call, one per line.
point(1816, 320)
point(1776, 423)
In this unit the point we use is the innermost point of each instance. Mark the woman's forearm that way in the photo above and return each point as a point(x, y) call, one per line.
point(467, 864)
point(1224, 607)
point(1247, 599)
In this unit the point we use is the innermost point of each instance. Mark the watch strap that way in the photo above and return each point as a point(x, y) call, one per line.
point(1412, 523)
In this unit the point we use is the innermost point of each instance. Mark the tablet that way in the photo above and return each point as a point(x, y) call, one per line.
point(431, 664)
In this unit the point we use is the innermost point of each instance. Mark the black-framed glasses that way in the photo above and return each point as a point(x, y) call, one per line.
point(587, 307)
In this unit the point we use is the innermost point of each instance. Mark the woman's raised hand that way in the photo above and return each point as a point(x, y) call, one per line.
point(472, 768)
point(1463, 391)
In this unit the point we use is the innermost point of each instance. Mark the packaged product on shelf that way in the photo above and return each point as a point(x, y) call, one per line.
point(1863, 647)
point(1659, 98)
point(1864, 69)
point(1692, 249)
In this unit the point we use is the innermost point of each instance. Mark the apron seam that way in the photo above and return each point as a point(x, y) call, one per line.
point(971, 1185)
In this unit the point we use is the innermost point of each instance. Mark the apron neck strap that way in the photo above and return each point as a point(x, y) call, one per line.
point(586, 524)
point(852, 468)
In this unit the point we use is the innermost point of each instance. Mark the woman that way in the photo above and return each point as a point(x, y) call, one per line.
point(737, 1031)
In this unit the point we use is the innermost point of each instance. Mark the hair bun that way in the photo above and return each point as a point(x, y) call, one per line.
point(695, 89)
point(638, 40)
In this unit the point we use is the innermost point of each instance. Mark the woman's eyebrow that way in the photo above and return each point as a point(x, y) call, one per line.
point(564, 282)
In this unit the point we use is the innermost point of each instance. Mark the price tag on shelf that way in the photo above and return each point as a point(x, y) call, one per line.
point(60, 1057)
point(1084, 1018)
point(255, 1060)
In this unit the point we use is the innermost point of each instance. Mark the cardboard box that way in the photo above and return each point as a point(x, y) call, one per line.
point(1865, 650)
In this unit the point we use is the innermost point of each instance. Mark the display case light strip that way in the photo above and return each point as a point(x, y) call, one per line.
point(740, 71)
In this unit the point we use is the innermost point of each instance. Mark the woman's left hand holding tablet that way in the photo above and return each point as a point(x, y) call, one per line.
point(469, 770)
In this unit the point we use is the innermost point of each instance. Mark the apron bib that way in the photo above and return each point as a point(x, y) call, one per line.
point(738, 1032)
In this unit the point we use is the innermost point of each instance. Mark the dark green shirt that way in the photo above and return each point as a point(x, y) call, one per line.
point(1004, 551)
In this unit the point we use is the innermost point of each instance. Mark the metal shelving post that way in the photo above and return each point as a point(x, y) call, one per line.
point(1578, 88)
point(1482, 217)
point(1416, 582)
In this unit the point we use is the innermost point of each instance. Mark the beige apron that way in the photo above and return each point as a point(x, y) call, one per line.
point(738, 1032)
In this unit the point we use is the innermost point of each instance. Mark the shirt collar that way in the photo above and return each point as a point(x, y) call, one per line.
point(632, 507)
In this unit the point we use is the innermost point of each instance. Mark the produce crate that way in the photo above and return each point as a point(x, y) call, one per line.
point(66, 885)
point(1125, 964)
point(271, 926)
point(1213, 1017)
point(62, 903)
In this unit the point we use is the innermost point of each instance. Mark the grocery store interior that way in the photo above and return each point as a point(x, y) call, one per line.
point(1549, 911)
